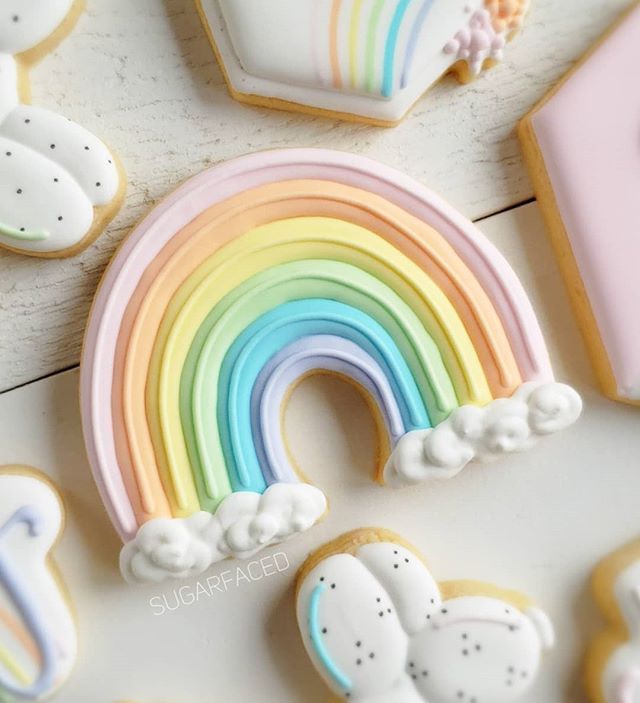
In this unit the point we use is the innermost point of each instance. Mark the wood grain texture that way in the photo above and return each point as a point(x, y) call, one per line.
point(142, 75)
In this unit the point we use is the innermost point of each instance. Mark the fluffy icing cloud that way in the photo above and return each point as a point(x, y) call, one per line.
point(243, 524)
point(504, 426)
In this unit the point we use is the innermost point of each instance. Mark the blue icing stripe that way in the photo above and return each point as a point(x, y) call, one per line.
point(18, 590)
point(391, 46)
point(280, 327)
point(413, 41)
point(317, 641)
point(318, 352)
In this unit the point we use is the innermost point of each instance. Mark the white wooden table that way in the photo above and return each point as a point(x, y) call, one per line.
point(141, 73)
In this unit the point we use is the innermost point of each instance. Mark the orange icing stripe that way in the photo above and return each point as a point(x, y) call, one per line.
point(333, 44)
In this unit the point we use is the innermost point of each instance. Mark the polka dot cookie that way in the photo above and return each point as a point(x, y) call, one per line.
point(59, 184)
point(378, 627)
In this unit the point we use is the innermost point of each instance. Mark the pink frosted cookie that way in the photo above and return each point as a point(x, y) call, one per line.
point(366, 60)
point(59, 184)
point(581, 143)
point(380, 629)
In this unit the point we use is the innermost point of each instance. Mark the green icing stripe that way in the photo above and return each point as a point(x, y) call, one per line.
point(370, 59)
point(34, 236)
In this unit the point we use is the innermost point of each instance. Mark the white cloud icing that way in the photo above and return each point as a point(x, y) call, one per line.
point(243, 524)
point(504, 426)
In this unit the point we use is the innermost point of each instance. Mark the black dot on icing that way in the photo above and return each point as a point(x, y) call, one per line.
point(55, 180)
point(358, 661)
point(27, 121)
point(460, 694)
point(98, 184)
point(52, 146)
point(86, 148)
point(478, 648)
point(324, 630)
point(333, 585)
point(465, 636)
point(388, 610)
point(395, 551)
point(8, 153)
point(425, 673)
point(110, 161)
point(395, 566)
point(16, 18)
point(381, 614)
point(378, 600)
point(19, 191)
point(444, 611)
point(433, 600)
point(22, 229)
point(60, 218)
point(322, 578)
point(412, 664)
point(358, 643)
point(414, 676)
point(428, 616)
point(465, 652)
point(372, 655)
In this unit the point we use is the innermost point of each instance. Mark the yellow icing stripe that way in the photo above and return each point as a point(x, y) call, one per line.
point(11, 664)
point(354, 33)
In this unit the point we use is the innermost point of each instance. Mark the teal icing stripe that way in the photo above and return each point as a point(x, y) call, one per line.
point(390, 48)
point(25, 236)
point(319, 646)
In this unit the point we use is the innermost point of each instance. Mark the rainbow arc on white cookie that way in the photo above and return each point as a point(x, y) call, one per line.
point(254, 275)
point(369, 59)
point(53, 173)
point(37, 633)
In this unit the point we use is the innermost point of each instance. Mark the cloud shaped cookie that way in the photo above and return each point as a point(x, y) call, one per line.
point(379, 628)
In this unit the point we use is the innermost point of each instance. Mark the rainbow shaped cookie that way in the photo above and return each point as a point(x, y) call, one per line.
point(378, 627)
point(368, 60)
point(255, 274)
point(37, 632)
point(581, 144)
point(613, 661)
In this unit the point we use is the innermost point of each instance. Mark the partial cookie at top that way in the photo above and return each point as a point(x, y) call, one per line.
point(365, 60)
point(59, 184)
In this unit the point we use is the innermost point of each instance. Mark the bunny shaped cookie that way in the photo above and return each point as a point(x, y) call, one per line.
point(379, 629)
point(59, 184)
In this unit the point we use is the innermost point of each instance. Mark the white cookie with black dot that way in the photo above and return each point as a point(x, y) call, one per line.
point(378, 628)
point(59, 184)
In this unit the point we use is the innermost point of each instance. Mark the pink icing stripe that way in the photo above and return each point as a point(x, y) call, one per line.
point(227, 180)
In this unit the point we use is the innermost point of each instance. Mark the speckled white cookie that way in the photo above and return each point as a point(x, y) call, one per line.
point(379, 628)
point(59, 184)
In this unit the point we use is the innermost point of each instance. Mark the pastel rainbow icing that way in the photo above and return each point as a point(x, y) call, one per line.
point(250, 277)
point(360, 58)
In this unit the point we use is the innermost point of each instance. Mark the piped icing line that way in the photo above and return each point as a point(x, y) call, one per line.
point(333, 45)
point(354, 29)
point(315, 635)
point(22, 234)
point(38, 620)
point(413, 41)
point(391, 47)
point(301, 358)
point(505, 426)
point(376, 613)
point(372, 35)
point(140, 263)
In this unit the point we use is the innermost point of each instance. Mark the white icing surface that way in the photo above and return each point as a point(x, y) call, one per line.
point(504, 426)
point(470, 648)
point(243, 524)
point(29, 556)
point(26, 23)
point(288, 50)
point(50, 167)
point(621, 677)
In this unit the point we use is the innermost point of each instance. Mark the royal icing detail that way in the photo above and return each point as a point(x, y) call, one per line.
point(613, 663)
point(377, 628)
point(37, 632)
point(590, 198)
point(367, 58)
point(53, 173)
point(252, 276)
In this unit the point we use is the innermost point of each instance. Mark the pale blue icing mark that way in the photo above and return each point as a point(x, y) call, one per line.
point(19, 593)
point(317, 640)
point(391, 46)
point(413, 41)
point(23, 235)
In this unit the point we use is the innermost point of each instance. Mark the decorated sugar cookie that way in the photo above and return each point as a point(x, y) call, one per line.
point(378, 627)
point(613, 662)
point(255, 274)
point(589, 197)
point(37, 631)
point(59, 184)
point(367, 60)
